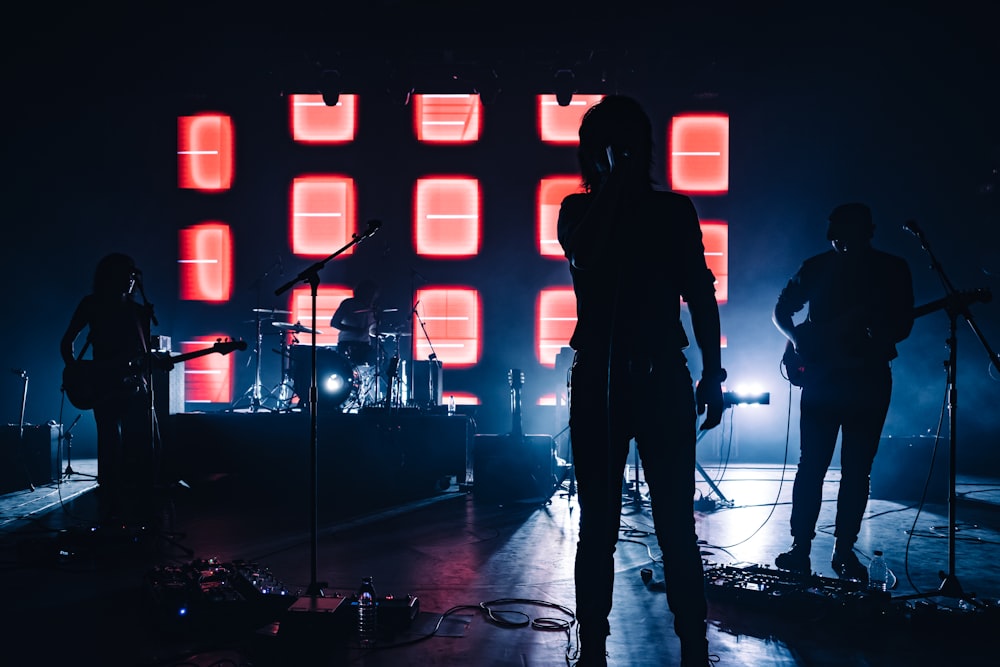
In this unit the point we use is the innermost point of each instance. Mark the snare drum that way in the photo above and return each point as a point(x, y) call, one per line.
point(337, 380)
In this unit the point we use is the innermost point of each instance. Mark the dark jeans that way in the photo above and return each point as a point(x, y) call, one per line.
point(854, 404)
point(127, 458)
point(656, 408)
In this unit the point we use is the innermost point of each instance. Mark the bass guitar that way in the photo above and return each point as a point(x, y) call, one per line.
point(88, 382)
point(795, 367)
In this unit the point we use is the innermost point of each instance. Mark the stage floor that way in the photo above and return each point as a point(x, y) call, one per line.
point(82, 594)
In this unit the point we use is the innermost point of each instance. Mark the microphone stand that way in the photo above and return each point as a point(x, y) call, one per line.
point(433, 355)
point(310, 276)
point(20, 429)
point(950, 586)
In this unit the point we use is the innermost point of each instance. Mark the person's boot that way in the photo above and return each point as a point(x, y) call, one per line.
point(593, 650)
point(694, 653)
point(847, 566)
point(796, 559)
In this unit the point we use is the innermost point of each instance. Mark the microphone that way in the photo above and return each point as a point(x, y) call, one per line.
point(415, 305)
point(19, 371)
point(373, 226)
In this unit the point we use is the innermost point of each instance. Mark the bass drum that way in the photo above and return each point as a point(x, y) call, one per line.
point(337, 380)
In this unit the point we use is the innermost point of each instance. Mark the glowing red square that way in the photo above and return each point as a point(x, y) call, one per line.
point(206, 262)
point(208, 378)
point(205, 154)
point(453, 118)
point(699, 153)
point(322, 215)
point(452, 316)
point(313, 122)
point(561, 125)
point(556, 315)
point(446, 217)
point(551, 191)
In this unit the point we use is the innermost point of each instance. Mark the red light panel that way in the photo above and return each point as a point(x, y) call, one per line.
point(551, 191)
point(446, 220)
point(209, 378)
point(699, 153)
point(454, 118)
point(452, 317)
point(313, 122)
point(205, 152)
point(715, 236)
point(323, 215)
point(561, 125)
point(556, 317)
point(206, 262)
point(327, 300)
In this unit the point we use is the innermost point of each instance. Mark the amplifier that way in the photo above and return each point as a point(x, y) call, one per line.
point(514, 469)
point(33, 459)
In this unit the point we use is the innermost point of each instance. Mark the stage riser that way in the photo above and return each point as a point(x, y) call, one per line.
point(406, 454)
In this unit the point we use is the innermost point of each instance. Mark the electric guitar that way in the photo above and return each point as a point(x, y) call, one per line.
point(795, 367)
point(88, 382)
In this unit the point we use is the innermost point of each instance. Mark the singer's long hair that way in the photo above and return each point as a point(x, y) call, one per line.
point(618, 121)
point(112, 275)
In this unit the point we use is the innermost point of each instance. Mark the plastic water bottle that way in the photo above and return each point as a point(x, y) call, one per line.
point(878, 573)
point(451, 405)
point(367, 614)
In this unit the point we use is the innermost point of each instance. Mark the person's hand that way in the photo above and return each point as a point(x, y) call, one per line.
point(708, 397)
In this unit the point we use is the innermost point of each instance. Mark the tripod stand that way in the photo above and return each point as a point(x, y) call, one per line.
point(67, 437)
point(957, 304)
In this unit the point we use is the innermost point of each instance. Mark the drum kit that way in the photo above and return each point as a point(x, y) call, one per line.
point(349, 385)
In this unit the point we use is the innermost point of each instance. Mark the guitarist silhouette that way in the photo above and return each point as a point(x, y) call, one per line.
point(118, 331)
point(860, 306)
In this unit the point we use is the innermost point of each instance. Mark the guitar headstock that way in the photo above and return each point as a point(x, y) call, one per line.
point(228, 345)
point(515, 378)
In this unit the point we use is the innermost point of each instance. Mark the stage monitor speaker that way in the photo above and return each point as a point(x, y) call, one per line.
point(33, 460)
point(508, 468)
point(426, 382)
point(901, 466)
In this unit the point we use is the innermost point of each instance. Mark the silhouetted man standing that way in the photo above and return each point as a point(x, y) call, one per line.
point(860, 306)
point(634, 253)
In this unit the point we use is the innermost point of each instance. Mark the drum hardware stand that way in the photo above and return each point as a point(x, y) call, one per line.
point(310, 276)
point(958, 305)
point(285, 389)
point(254, 392)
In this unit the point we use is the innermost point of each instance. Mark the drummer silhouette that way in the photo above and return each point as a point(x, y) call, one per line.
point(355, 320)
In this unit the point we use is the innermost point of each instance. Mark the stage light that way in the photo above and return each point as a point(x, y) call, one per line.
point(330, 87)
point(564, 86)
point(746, 397)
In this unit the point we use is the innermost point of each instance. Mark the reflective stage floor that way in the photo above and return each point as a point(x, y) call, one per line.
point(468, 582)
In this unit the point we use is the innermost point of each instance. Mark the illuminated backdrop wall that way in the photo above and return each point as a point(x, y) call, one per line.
point(906, 124)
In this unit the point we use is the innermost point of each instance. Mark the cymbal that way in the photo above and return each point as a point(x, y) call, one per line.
point(297, 327)
point(377, 310)
point(272, 311)
point(393, 334)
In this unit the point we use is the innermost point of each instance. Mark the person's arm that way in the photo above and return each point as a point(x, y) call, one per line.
point(587, 224)
point(341, 316)
point(790, 301)
point(76, 324)
point(698, 290)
